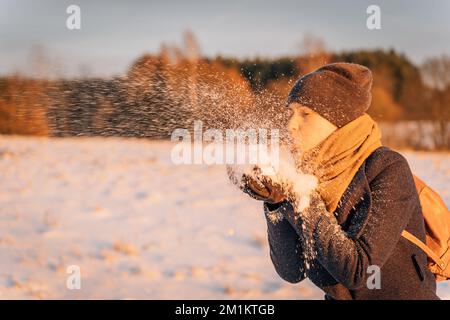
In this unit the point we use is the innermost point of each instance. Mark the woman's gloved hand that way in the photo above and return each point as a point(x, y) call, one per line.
point(262, 188)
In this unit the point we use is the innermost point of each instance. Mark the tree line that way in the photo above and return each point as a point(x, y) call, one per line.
point(173, 88)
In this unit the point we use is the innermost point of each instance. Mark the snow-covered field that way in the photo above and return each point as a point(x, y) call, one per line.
point(138, 226)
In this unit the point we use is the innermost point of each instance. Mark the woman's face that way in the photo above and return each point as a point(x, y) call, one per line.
point(307, 128)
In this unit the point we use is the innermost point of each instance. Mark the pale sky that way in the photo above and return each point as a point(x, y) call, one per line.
point(114, 33)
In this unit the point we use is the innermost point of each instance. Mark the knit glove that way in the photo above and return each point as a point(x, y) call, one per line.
point(262, 188)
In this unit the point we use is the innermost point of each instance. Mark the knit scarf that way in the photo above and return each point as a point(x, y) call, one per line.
point(335, 160)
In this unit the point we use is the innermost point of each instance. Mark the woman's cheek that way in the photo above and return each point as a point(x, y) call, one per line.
point(303, 129)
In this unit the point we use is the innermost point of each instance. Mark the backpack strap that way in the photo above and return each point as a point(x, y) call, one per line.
point(424, 247)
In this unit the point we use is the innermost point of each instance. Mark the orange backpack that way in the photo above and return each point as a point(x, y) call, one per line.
point(437, 228)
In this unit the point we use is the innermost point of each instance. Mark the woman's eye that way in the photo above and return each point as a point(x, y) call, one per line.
point(305, 113)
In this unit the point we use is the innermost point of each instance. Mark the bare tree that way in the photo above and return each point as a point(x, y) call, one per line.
point(192, 54)
point(436, 74)
point(314, 53)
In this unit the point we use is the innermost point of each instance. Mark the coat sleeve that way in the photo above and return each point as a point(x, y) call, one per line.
point(393, 199)
point(284, 244)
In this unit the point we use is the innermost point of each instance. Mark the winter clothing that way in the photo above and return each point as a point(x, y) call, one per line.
point(262, 189)
point(336, 159)
point(365, 230)
point(340, 92)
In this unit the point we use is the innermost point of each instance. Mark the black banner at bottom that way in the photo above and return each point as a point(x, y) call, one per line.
point(218, 309)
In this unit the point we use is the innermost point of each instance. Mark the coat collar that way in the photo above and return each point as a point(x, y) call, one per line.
point(355, 204)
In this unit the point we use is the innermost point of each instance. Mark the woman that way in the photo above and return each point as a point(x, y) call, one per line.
point(348, 242)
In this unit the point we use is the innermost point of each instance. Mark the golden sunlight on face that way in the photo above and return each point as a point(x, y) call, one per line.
point(307, 128)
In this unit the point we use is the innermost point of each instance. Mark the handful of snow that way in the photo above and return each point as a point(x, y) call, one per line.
point(297, 186)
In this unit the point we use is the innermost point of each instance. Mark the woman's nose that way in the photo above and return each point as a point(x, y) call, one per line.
point(292, 126)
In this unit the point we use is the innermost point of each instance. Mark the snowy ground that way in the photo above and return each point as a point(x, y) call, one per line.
point(136, 225)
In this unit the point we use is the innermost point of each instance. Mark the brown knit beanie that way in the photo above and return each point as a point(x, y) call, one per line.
point(339, 92)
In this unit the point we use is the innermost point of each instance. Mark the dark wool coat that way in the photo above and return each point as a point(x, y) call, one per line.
point(365, 230)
